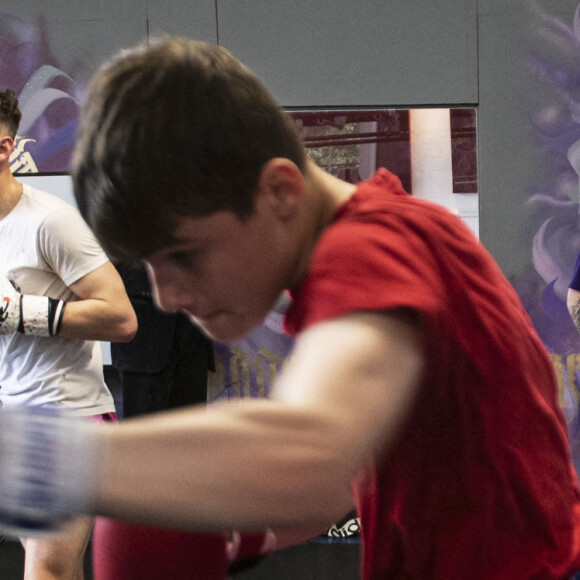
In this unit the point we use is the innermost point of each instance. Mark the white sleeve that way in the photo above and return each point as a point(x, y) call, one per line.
point(68, 246)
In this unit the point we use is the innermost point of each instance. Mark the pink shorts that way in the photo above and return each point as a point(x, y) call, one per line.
point(104, 418)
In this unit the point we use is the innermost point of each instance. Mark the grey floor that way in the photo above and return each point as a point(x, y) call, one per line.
point(305, 562)
point(310, 561)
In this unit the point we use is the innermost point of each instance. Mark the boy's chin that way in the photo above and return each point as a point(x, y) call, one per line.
point(224, 327)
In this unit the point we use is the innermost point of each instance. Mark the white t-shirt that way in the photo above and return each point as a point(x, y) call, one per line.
point(45, 246)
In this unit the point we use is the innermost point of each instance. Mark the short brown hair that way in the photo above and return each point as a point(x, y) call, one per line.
point(171, 128)
point(10, 114)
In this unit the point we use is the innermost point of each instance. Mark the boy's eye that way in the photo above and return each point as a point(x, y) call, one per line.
point(183, 258)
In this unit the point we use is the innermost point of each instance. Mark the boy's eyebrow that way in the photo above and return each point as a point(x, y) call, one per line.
point(176, 244)
point(190, 240)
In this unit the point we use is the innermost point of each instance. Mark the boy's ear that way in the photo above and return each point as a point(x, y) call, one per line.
point(281, 183)
point(6, 147)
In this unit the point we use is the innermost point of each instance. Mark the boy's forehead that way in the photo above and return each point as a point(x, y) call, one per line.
point(200, 227)
point(184, 231)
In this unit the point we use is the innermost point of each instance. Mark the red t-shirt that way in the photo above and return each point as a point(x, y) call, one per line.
point(480, 482)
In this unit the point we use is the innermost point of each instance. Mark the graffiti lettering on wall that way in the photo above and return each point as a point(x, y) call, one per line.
point(568, 377)
point(240, 374)
point(248, 367)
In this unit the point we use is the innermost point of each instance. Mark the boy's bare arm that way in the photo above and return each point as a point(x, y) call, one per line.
point(287, 462)
point(103, 312)
point(573, 304)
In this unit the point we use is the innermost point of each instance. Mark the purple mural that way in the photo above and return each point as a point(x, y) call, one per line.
point(48, 97)
point(554, 207)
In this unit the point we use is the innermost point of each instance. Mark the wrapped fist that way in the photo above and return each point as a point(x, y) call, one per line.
point(36, 315)
point(45, 467)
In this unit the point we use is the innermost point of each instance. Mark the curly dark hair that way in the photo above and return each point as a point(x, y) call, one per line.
point(10, 114)
point(173, 127)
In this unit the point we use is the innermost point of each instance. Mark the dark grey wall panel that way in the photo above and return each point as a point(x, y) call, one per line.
point(74, 10)
point(92, 41)
point(504, 152)
point(194, 19)
point(308, 52)
point(80, 34)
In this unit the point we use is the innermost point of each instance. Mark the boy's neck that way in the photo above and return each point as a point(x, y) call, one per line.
point(324, 194)
point(10, 192)
point(329, 191)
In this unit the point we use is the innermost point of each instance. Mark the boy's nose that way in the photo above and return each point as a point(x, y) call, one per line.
point(170, 292)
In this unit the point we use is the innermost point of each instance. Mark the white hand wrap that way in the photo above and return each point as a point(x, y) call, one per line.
point(37, 315)
point(46, 462)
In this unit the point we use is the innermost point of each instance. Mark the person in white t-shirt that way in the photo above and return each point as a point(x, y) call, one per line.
point(59, 296)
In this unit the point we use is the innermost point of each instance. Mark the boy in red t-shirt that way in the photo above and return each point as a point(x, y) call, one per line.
point(417, 388)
